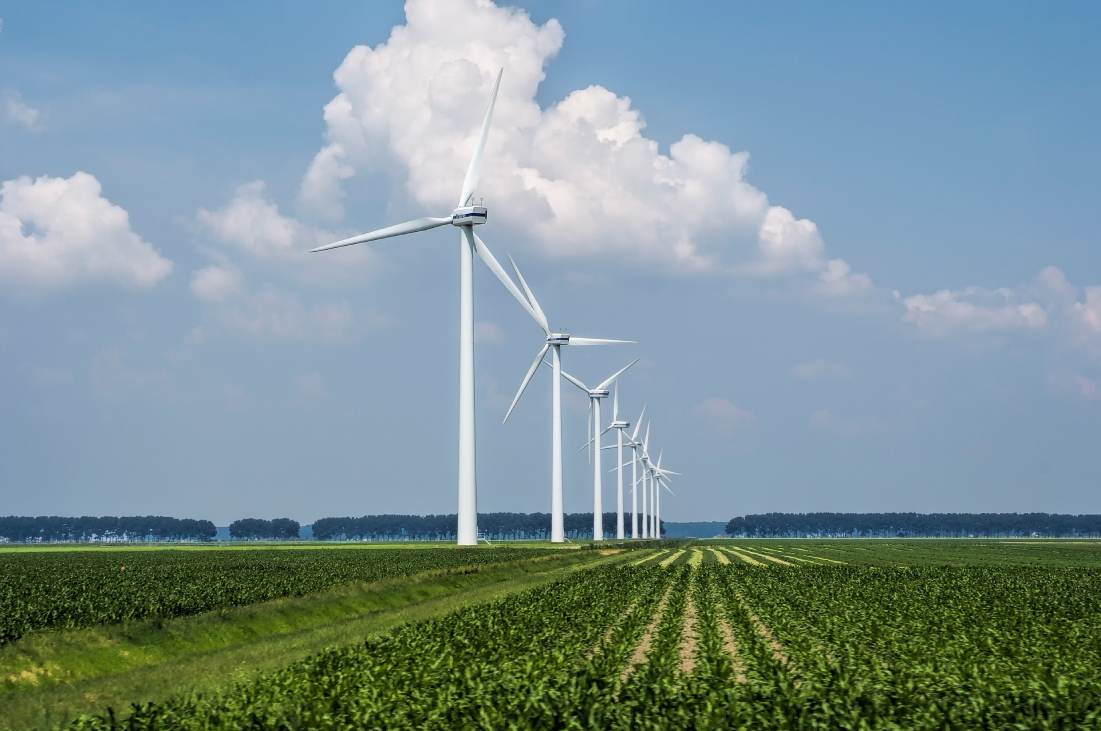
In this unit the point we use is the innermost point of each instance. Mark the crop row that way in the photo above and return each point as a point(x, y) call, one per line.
point(82, 588)
point(705, 646)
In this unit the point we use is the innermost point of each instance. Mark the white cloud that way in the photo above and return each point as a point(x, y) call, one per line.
point(723, 415)
point(820, 369)
point(489, 333)
point(838, 280)
point(579, 176)
point(18, 112)
point(1086, 315)
point(972, 310)
point(252, 223)
point(57, 232)
point(215, 283)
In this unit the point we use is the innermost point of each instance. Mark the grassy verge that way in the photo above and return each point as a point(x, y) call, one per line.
point(48, 678)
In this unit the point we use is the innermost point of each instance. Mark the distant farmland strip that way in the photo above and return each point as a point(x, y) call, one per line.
point(69, 589)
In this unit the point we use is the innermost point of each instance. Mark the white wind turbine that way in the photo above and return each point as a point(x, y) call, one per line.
point(465, 216)
point(554, 342)
point(595, 394)
point(659, 479)
point(631, 440)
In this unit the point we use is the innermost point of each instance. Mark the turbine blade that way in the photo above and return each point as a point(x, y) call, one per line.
point(417, 224)
point(615, 403)
point(606, 430)
point(607, 381)
point(598, 341)
point(577, 383)
point(527, 379)
point(499, 271)
point(540, 316)
point(638, 424)
point(470, 182)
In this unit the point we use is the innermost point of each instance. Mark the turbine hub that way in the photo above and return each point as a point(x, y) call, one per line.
point(559, 338)
point(469, 216)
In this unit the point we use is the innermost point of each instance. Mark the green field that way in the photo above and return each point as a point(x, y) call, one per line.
point(711, 634)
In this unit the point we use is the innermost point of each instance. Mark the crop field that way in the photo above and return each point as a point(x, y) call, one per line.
point(714, 634)
point(80, 588)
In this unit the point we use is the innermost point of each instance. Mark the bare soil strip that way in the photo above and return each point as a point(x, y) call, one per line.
point(688, 637)
point(651, 557)
point(720, 557)
point(743, 557)
point(767, 557)
point(666, 562)
point(823, 558)
point(642, 649)
point(730, 647)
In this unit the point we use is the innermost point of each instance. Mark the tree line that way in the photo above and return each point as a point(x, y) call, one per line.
point(258, 528)
point(493, 526)
point(104, 528)
point(905, 525)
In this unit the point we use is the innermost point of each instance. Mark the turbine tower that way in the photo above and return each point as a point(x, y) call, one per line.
point(622, 438)
point(554, 342)
point(600, 391)
point(465, 217)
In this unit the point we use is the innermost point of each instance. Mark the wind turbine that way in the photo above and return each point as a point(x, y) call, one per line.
point(600, 391)
point(465, 216)
point(661, 480)
point(554, 342)
point(622, 438)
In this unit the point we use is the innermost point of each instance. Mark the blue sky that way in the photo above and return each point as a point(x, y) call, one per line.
point(886, 306)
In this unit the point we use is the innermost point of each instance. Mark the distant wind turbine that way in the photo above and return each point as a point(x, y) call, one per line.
point(595, 394)
point(554, 342)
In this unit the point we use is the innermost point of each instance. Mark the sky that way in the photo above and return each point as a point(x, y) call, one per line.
point(854, 244)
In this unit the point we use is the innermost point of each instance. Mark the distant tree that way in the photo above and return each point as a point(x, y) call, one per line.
point(260, 529)
point(105, 528)
point(495, 526)
point(284, 529)
point(902, 525)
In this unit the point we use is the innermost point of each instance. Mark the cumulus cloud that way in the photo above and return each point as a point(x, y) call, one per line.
point(838, 280)
point(18, 112)
point(251, 223)
point(973, 310)
point(1086, 315)
point(57, 232)
point(820, 369)
point(215, 283)
point(723, 415)
point(579, 177)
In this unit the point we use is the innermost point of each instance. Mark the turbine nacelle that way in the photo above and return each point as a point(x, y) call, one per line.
point(558, 339)
point(599, 393)
point(469, 216)
point(621, 424)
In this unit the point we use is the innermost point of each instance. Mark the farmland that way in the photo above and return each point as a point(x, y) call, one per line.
point(716, 634)
point(79, 589)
